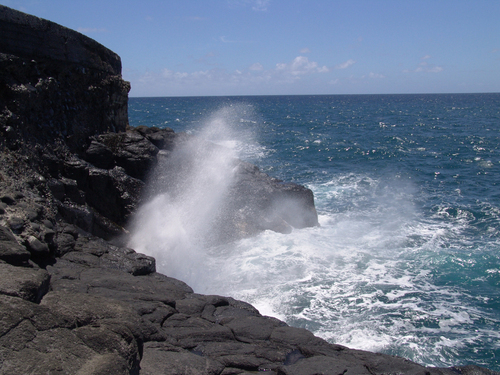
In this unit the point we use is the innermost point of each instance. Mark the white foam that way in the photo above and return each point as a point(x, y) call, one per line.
point(362, 279)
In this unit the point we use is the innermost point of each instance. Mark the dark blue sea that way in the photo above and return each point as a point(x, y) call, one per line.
point(407, 187)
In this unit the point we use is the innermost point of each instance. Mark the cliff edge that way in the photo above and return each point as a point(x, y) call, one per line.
point(73, 298)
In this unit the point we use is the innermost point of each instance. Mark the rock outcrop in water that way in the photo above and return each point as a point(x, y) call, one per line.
point(74, 302)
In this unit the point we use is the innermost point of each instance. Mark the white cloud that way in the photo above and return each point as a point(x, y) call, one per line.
point(256, 67)
point(305, 50)
point(256, 5)
point(223, 39)
point(168, 74)
point(435, 69)
point(260, 5)
point(425, 67)
point(301, 65)
point(255, 77)
point(375, 75)
point(345, 65)
point(280, 66)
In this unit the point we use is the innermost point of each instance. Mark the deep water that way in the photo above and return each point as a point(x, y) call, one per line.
point(407, 258)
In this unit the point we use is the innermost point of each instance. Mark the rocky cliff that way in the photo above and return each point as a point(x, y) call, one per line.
point(73, 299)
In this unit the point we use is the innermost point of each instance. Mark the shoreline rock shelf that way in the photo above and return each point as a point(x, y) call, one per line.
point(73, 298)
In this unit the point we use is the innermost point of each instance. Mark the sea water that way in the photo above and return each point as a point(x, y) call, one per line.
point(406, 260)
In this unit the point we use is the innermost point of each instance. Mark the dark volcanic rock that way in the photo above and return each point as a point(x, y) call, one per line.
point(270, 203)
point(56, 84)
point(131, 151)
point(10, 250)
point(30, 284)
point(27, 36)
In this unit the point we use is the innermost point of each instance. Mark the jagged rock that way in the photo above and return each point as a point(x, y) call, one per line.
point(163, 138)
point(113, 193)
point(131, 151)
point(99, 155)
point(270, 203)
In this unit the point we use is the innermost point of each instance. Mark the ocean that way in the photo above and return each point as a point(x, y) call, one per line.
point(406, 260)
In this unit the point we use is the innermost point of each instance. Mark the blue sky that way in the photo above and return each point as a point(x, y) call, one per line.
point(276, 47)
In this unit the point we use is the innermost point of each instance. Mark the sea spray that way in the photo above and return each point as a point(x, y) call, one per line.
point(186, 194)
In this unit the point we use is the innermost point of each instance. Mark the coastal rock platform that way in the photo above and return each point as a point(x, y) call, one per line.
point(74, 299)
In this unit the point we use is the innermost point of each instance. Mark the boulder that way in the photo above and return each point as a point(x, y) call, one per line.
point(129, 150)
point(10, 250)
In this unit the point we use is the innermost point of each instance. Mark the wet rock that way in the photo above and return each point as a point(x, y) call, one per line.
point(253, 202)
point(270, 203)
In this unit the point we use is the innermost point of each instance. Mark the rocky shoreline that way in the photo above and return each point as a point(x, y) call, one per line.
point(73, 298)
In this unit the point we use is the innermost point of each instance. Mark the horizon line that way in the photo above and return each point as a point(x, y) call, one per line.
point(257, 95)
